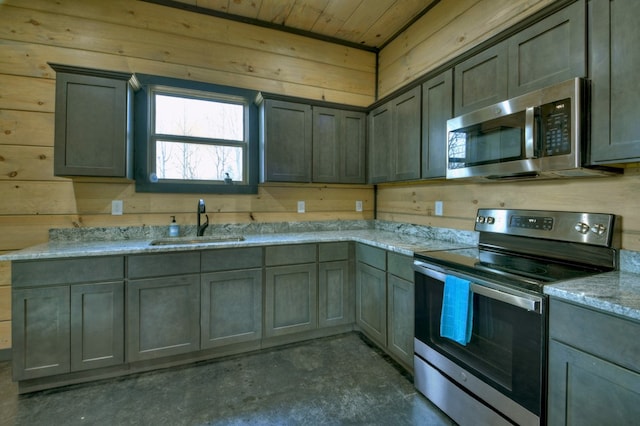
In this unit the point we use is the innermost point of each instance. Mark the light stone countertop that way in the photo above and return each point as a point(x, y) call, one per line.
point(616, 292)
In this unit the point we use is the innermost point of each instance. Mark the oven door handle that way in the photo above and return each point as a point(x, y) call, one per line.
point(530, 304)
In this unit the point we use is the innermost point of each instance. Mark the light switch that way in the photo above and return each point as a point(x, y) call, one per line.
point(116, 207)
point(300, 206)
point(439, 207)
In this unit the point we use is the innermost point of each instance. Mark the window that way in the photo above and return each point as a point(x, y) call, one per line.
point(194, 137)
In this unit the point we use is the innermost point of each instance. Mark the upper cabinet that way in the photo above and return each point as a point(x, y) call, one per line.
point(339, 141)
point(614, 62)
point(437, 108)
point(394, 139)
point(92, 123)
point(285, 141)
point(548, 52)
point(304, 143)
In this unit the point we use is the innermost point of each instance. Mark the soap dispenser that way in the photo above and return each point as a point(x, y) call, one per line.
point(174, 229)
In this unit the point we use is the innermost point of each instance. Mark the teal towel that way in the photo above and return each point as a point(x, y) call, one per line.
point(456, 321)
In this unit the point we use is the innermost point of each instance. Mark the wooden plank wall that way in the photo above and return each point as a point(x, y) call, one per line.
point(135, 36)
point(446, 31)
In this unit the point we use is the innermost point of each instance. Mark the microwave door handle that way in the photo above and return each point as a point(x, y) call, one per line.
point(529, 133)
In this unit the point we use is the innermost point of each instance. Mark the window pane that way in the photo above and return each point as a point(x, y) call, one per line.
point(199, 118)
point(175, 160)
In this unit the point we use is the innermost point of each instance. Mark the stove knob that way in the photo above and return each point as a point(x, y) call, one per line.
point(480, 219)
point(582, 227)
point(598, 228)
point(491, 220)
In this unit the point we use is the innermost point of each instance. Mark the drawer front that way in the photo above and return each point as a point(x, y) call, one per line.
point(231, 259)
point(158, 265)
point(400, 265)
point(372, 256)
point(290, 254)
point(328, 252)
point(606, 336)
point(67, 271)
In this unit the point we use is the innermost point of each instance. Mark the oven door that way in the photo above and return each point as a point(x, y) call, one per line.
point(506, 350)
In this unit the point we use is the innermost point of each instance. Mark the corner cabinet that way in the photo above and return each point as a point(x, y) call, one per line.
point(614, 62)
point(339, 143)
point(394, 139)
point(594, 369)
point(93, 121)
point(285, 141)
point(68, 315)
point(548, 52)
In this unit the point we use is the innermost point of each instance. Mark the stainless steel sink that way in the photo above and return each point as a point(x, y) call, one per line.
point(195, 240)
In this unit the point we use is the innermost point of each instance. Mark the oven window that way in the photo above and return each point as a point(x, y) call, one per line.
point(506, 346)
point(494, 141)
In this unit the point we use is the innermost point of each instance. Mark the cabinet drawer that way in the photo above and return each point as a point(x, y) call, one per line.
point(231, 259)
point(329, 252)
point(400, 265)
point(373, 256)
point(290, 254)
point(157, 265)
point(67, 271)
point(606, 336)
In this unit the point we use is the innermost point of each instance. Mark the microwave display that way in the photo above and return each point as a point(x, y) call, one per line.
point(556, 127)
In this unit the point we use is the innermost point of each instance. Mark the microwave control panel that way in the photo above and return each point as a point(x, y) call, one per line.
point(555, 118)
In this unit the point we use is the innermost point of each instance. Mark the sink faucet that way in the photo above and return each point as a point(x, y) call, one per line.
point(201, 209)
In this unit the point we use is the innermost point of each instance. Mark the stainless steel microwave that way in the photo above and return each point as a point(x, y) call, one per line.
point(539, 134)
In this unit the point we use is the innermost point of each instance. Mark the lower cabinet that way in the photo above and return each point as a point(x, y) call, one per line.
point(163, 310)
point(385, 300)
point(335, 290)
point(594, 369)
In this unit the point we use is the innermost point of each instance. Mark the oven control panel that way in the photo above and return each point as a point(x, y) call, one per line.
point(588, 228)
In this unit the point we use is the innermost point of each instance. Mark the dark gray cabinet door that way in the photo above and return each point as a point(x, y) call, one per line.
point(406, 140)
point(549, 52)
point(93, 120)
point(231, 307)
point(40, 330)
point(286, 141)
point(400, 317)
point(481, 80)
point(614, 63)
point(379, 143)
point(586, 390)
point(335, 294)
point(437, 108)
point(97, 325)
point(338, 146)
point(290, 299)
point(163, 316)
point(371, 302)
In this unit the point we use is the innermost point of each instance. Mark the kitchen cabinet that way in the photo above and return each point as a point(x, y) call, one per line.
point(614, 60)
point(339, 143)
point(394, 139)
point(92, 123)
point(437, 108)
point(400, 307)
point(163, 305)
point(335, 285)
point(290, 289)
point(594, 370)
point(285, 141)
point(231, 296)
point(371, 292)
point(548, 52)
point(51, 332)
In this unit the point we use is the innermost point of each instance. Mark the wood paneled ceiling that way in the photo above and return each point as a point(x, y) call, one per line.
point(368, 24)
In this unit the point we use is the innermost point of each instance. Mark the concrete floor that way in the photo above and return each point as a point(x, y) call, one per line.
point(341, 380)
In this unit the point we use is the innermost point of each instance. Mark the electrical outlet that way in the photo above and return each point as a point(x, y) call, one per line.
point(116, 207)
point(358, 206)
point(300, 206)
point(439, 207)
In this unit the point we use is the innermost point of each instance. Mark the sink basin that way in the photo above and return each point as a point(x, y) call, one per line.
point(195, 240)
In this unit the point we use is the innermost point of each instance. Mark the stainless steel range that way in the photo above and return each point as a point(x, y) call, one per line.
point(496, 373)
